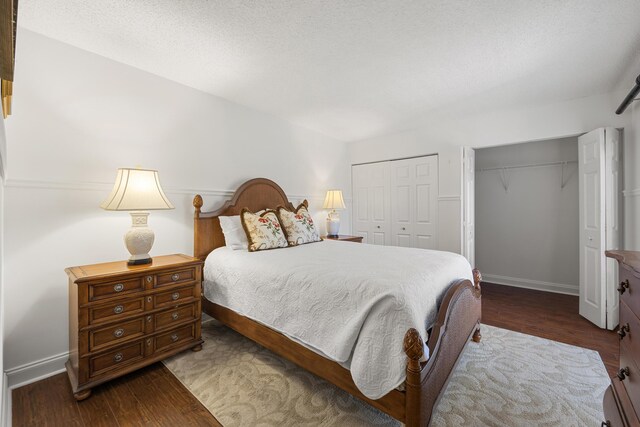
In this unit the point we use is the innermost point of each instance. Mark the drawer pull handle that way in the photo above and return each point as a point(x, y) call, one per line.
point(148, 299)
point(175, 296)
point(118, 287)
point(606, 424)
point(118, 309)
point(623, 286)
point(623, 373)
point(148, 318)
point(149, 279)
point(175, 277)
point(149, 342)
point(118, 357)
point(174, 316)
point(118, 332)
point(623, 331)
point(174, 337)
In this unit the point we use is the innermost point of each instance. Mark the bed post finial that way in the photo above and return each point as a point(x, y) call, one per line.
point(477, 278)
point(414, 349)
point(197, 203)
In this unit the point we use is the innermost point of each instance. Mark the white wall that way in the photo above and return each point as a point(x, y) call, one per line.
point(632, 178)
point(3, 392)
point(528, 235)
point(76, 118)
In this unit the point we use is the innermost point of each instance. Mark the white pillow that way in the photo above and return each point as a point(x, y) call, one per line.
point(234, 235)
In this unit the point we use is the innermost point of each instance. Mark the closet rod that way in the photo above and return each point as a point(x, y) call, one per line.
point(536, 165)
point(631, 96)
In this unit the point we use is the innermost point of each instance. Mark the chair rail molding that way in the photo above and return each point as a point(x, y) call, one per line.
point(634, 192)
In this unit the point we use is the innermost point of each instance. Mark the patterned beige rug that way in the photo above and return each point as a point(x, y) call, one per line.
point(509, 379)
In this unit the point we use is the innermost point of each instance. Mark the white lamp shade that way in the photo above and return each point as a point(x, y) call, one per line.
point(136, 190)
point(334, 200)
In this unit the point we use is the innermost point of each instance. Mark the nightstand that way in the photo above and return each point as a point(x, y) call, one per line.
point(123, 317)
point(345, 238)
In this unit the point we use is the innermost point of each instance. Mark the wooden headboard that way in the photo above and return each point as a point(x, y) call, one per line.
point(255, 194)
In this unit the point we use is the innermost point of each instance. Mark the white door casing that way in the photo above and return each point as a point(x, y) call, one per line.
point(612, 221)
point(469, 206)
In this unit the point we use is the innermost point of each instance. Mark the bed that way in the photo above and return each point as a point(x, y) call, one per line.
point(452, 314)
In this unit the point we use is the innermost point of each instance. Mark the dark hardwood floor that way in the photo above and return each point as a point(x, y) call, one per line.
point(154, 397)
point(547, 315)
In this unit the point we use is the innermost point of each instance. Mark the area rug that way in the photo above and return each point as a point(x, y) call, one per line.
point(509, 379)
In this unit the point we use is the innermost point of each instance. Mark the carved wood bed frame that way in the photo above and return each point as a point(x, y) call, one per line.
point(457, 322)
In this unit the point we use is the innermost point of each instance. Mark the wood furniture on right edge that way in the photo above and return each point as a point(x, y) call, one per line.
point(344, 238)
point(457, 323)
point(622, 398)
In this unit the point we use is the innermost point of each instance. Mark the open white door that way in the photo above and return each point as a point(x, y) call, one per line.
point(591, 168)
point(598, 162)
point(469, 205)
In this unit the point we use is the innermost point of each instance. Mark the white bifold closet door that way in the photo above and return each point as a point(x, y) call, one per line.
point(414, 198)
point(599, 178)
point(395, 202)
point(372, 202)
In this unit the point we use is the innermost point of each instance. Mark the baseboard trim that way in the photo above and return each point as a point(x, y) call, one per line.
point(558, 288)
point(36, 371)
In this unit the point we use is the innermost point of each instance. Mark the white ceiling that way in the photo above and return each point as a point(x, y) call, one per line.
point(353, 69)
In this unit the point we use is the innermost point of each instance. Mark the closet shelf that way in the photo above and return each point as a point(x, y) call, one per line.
point(504, 177)
point(533, 165)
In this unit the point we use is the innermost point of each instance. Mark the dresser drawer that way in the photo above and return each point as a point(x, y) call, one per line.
point(629, 330)
point(632, 381)
point(175, 277)
point(174, 297)
point(175, 316)
point(611, 411)
point(114, 310)
point(175, 337)
point(113, 334)
point(100, 291)
point(115, 359)
point(631, 294)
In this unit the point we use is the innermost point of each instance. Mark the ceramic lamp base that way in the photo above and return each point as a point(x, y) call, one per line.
point(333, 227)
point(139, 239)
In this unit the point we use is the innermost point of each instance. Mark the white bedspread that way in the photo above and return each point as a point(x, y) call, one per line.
point(350, 302)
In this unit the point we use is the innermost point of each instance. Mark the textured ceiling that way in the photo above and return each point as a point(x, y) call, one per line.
point(353, 69)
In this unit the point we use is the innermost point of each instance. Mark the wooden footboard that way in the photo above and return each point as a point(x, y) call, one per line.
point(458, 322)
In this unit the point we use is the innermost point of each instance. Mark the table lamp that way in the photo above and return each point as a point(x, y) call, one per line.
point(137, 190)
point(333, 201)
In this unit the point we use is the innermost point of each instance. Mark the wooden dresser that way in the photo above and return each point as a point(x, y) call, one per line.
point(622, 399)
point(122, 317)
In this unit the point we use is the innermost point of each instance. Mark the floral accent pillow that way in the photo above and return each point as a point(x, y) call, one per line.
point(298, 226)
point(263, 231)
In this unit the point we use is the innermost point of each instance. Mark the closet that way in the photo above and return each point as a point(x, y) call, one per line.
point(545, 212)
point(395, 202)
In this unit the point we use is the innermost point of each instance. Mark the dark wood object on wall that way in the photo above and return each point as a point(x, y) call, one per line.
point(622, 398)
point(123, 317)
point(457, 323)
point(8, 27)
